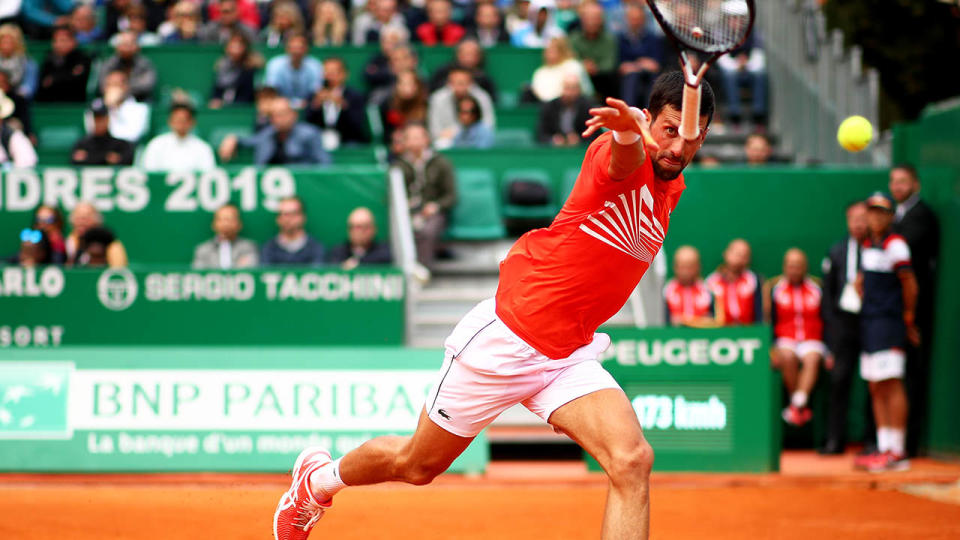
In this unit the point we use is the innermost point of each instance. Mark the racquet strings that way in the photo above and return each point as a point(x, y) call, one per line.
point(706, 25)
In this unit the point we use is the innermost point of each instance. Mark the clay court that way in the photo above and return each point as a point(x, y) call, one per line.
point(813, 497)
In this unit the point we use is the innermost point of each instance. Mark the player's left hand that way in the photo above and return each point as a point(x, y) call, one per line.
point(618, 116)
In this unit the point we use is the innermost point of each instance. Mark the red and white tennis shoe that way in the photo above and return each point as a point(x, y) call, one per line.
point(298, 510)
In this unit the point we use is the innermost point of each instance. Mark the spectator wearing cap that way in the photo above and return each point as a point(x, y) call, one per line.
point(129, 119)
point(15, 147)
point(361, 246)
point(64, 73)
point(295, 75)
point(286, 141)
point(887, 325)
point(34, 250)
point(83, 219)
point(179, 149)
point(140, 72)
point(439, 28)
point(99, 147)
point(226, 249)
point(292, 246)
point(918, 224)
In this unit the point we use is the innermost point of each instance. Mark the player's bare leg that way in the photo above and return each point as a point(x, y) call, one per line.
point(415, 460)
point(317, 478)
point(605, 425)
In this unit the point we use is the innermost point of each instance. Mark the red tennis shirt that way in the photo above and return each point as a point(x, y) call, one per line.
point(559, 284)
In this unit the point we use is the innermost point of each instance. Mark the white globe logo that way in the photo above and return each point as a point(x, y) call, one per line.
point(117, 289)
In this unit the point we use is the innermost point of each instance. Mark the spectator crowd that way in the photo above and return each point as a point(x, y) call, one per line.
point(591, 49)
point(872, 313)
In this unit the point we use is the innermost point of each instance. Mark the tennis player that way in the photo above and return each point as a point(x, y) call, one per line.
point(535, 343)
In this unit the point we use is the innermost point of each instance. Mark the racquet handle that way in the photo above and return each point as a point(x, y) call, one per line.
point(690, 112)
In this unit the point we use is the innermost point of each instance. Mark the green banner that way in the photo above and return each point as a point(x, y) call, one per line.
point(162, 217)
point(53, 307)
point(707, 398)
point(135, 409)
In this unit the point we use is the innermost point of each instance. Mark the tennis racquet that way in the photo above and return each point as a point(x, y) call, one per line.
point(709, 27)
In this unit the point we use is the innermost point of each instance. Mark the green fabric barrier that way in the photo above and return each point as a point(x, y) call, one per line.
point(160, 218)
point(150, 305)
point(706, 398)
point(931, 144)
point(208, 409)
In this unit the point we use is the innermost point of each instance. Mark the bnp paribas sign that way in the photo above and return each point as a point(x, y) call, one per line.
point(176, 409)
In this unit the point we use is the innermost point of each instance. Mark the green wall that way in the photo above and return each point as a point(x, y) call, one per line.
point(932, 144)
point(161, 217)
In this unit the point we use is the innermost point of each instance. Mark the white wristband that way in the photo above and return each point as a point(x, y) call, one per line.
point(626, 137)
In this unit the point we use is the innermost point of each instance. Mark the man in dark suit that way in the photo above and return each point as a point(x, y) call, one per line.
point(361, 246)
point(338, 110)
point(564, 119)
point(841, 327)
point(916, 222)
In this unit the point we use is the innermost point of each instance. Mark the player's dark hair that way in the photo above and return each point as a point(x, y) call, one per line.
point(668, 90)
point(905, 166)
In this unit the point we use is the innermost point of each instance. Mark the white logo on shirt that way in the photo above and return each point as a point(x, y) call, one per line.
point(628, 224)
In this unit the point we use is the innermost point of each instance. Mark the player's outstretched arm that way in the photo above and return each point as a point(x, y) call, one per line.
point(633, 128)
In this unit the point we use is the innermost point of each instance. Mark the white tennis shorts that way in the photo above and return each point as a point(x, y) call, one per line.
point(883, 365)
point(488, 369)
point(801, 348)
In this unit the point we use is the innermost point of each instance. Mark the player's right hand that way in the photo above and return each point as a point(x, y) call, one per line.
point(618, 116)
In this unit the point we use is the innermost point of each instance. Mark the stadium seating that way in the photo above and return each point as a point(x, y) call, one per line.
point(538, 211)
point(477, 213)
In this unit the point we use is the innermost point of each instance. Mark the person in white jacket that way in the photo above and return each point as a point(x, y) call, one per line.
point(129, 119)
point(179, 149)
point(15, 148)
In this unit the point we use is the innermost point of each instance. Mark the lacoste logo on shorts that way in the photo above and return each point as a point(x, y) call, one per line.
point(443, 413)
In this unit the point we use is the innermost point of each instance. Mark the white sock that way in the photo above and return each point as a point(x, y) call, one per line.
point(896, 440)
point(325, 482)
point(883, 439)
point(799, 399)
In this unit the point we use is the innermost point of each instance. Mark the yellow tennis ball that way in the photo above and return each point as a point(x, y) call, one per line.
point(855, 133)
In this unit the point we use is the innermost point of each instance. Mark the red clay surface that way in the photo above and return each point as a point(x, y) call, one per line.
point(813, 497)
